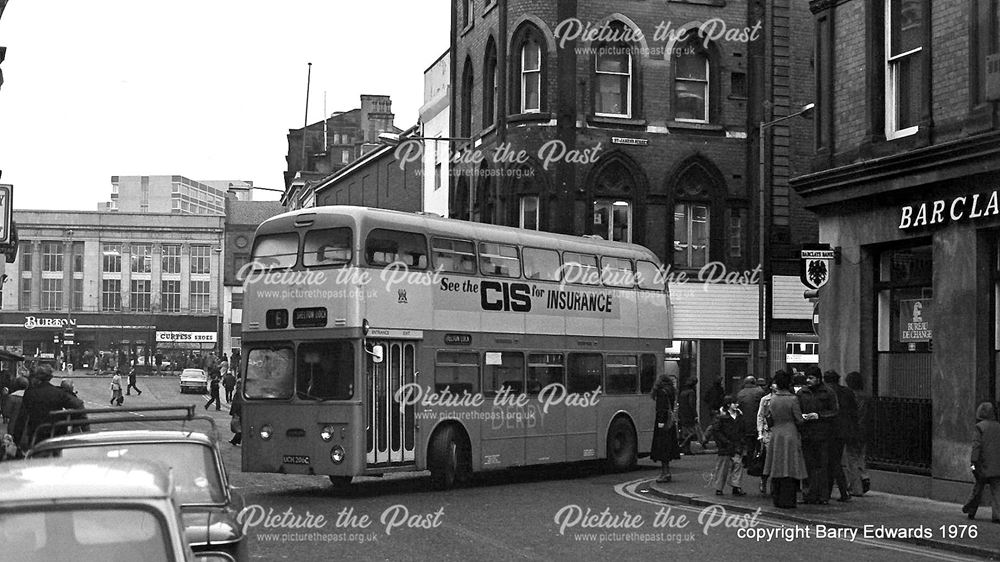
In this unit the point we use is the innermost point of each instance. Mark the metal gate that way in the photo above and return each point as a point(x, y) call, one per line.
point(390, 426)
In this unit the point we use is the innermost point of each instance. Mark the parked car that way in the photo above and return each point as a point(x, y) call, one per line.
point(210, 506)
point(194, 379)
point(114, 511)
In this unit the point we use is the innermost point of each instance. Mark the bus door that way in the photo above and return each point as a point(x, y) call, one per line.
point(390, 428)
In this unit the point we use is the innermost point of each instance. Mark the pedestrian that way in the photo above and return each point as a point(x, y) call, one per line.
point(728, 432)
point(819, 407)
point(713, 399)
point(687, 416)
point(845, 429)
point(764, 427)
point(14, 401)
point(858, 482)
point(229, 383)
point(39, 401)
point(131, 383)
point(749, 400)
point(236, 411)
point(116, 389)
point(213, 390)
point(985, 461)
point(784, 464)
point(664, 448)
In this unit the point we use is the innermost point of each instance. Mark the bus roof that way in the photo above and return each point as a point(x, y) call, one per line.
point(367, 218)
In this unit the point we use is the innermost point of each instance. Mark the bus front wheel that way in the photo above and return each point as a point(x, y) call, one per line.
point(449, 462)
point(622, 446)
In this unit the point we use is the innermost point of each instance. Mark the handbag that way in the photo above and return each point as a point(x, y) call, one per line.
point(234, 425)
point(756, 465)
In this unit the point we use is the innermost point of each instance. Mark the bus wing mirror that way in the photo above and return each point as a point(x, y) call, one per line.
point(378, 353)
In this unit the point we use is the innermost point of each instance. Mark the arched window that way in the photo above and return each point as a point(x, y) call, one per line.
point(614, 76)
point(490, 84)
point(531, 77)
point(527, 71)
point(692, 82)
point(692, 218)
point(614, 190)
point(466, 109)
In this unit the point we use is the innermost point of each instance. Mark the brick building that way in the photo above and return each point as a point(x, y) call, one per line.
point(904, 181)
point(331, 144)
point(656, 128)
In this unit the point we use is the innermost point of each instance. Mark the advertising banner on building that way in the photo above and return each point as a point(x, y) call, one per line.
point(915, 321)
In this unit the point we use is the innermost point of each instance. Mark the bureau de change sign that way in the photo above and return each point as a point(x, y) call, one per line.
point(915, 321)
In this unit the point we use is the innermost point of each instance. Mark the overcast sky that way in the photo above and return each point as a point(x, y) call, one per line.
point(205, 89)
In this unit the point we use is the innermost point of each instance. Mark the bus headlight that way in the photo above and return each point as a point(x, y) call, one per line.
point(337, 454)
point(327, 433)
point(266, 431)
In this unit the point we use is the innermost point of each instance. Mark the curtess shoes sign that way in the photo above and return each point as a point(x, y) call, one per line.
point(185, 337)
point(961, 208)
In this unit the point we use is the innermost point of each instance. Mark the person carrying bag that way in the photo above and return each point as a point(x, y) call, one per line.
point(116, 390)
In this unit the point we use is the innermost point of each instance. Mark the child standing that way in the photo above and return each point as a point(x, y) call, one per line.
point(727, 430)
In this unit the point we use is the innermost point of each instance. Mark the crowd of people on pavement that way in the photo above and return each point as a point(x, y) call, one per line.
point(801, 434)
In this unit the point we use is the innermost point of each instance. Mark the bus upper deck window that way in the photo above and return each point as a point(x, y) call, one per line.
point(499, 260)
point(328, 246)
point(388, 247)
point(276, 250)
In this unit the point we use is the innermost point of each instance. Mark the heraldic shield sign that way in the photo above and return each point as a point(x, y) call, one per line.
point(815, 268)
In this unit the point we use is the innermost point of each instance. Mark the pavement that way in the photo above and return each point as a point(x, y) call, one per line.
point(942, 521)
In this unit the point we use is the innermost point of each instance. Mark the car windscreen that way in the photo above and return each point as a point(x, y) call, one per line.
point(69, 533)
point(196, 476)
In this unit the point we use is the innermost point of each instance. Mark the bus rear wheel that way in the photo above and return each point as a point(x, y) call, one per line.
point(449, 459)
point(622, 446)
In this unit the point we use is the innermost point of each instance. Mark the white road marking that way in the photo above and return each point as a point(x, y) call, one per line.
point(628, 490)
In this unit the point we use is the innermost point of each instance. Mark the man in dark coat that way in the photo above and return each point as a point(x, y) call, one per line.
point(985, 461)
point(845, 431)
point(749, 399)
point(819, 409)
point(213, 390)
point(687, 416)
point(39, 400)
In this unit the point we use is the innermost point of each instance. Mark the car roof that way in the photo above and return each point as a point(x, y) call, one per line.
point(192, 370)
point(61, 479)
point(123, 436)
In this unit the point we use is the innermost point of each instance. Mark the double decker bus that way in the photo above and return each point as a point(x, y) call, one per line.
point(378, 341)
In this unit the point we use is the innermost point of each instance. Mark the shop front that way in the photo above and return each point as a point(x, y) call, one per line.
point(912, 305)
point(98, 341)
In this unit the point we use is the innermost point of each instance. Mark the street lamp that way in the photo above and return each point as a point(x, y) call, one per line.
point(763, 239)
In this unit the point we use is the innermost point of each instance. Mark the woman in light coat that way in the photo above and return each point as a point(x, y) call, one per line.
point(785, 464)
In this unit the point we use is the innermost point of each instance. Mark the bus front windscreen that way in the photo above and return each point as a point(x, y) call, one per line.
point(269, 373)
point(325, 371)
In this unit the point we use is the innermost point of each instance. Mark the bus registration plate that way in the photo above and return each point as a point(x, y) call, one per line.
point(295, 459)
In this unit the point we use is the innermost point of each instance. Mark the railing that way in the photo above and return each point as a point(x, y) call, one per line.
point(900, 435)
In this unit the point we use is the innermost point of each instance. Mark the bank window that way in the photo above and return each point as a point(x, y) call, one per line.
point(458, 372)
point(454, 256)
point(613, 220)
point(170, 260)
point(500, 260)
point(904, 38)
point(691, 235)
point(617, 272)
point(905, 316)
point(170, 297)
point(329, 246)
point(544, 369)
point(52, 256)
point(531, 76)
point(691, 82)
point(111, 295)
point(622, 374)
point(201, 259)
point(325, 371)
point(141, 258)
point(648, 275)
point(529, 212)
point(387, 247)
point(140, 295)
point(542, 265)
point(581, 269)
point(585, 372)
point(503, 369)
point(51, 294)
point(199, 298)
point(111, 258)
point(613, 77)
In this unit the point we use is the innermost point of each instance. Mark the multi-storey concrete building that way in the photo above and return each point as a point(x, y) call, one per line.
point(172, 194)
point(637, 122)
point(907, 157)
point(135, 283)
